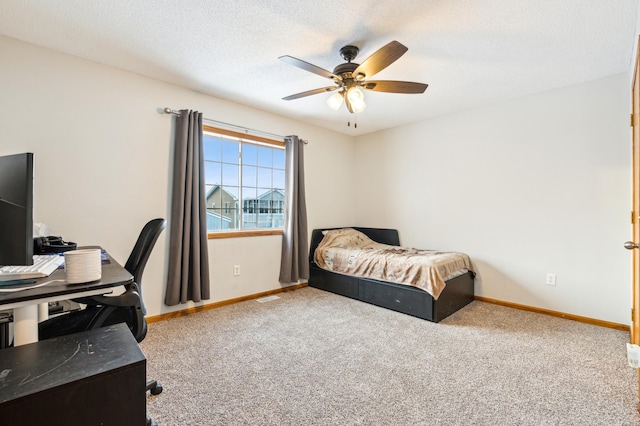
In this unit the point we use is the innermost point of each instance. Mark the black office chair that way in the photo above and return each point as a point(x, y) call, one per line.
point(127, 307)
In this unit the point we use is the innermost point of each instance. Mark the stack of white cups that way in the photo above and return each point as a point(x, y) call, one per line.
point(82, 266)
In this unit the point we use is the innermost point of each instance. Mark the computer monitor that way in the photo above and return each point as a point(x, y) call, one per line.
point(16, 209)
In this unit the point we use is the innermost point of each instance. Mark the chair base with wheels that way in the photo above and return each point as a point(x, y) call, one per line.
point(154, 387)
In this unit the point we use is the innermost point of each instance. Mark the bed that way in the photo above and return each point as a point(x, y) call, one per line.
point(449, 296)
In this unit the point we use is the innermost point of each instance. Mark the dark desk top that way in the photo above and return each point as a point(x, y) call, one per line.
point(54, 362)
point(113, 275)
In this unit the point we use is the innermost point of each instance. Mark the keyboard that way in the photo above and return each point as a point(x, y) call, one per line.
point(43, 266)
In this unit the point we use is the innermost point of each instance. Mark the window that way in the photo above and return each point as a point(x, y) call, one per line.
point(244, 176)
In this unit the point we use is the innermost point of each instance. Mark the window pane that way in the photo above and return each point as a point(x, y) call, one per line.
point(212, 173)
point(250, 220)
point(213, 196)
point(277, 214)
point(278, 179)
point(264, 177)
point(230, 174)
point(214, 222)
point(213, 201)
point(230, 193)
point(249, 154)
point(278, 159)
point(249, 198)
point(230, 151)
point(231, 219)
point(249, 175)
point(212, 148)
point(249, 193)
point(229, 207)
point(264, 212)
point(249, 208)
point(264, 156)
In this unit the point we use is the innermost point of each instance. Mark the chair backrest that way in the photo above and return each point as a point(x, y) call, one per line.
point(142, 249)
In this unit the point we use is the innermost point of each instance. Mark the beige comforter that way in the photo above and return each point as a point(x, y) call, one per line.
point(351, 252)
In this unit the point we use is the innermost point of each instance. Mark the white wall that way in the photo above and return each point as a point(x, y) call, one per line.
point(535, 185)
point(103, 154)
point(539, 184)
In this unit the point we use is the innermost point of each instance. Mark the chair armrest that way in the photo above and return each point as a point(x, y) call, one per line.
point(109, 304)
point(89, 300)
point(131, 297)
point(123, 300)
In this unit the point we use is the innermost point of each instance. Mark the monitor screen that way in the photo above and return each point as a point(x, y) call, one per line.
point(16, 209)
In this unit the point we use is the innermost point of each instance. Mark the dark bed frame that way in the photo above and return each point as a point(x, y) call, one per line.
point(401, 298)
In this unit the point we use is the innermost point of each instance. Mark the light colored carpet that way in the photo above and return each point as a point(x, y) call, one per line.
point(315, 358)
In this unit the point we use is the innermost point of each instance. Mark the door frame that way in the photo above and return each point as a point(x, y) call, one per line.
point(635, 213)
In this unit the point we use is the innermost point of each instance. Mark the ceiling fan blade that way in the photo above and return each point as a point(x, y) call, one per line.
point(394, 86)
point(380, 59)
point(311, 92)
point(309, 67)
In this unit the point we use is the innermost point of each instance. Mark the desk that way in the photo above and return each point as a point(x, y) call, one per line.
point(25, 303)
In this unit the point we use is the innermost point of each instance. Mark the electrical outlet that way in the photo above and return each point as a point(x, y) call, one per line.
point(236, 270)
point(551, 279)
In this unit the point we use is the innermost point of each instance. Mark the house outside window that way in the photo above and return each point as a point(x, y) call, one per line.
point(245, 177)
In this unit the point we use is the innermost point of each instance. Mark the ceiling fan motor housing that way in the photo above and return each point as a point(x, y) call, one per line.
point(345, 70)
point(349, 52)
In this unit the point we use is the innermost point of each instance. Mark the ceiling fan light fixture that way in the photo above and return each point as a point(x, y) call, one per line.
point(356, 99)
point(335, 101)
point(359, 107)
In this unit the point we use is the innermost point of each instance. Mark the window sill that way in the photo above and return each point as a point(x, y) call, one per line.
point(240, 234)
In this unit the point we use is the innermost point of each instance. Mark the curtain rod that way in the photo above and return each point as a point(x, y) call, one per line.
point(234, 126)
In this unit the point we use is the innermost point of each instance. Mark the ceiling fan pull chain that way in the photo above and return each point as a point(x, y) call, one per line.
point(355, 121)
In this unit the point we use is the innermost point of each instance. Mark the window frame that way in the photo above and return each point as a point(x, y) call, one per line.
point(246, 137)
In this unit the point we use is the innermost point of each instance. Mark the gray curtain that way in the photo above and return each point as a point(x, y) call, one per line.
point(294, 264)
point(188, 275)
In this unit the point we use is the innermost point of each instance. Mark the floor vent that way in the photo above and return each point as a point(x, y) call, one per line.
point(267, 299)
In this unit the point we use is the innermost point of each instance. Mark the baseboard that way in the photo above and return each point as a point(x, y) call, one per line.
point(206, 307)
point(572, 317)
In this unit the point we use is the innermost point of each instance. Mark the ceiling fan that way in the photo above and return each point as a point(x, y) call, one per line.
point(349, 77)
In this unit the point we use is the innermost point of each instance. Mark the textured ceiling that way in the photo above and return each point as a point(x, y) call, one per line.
point(470, 52)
